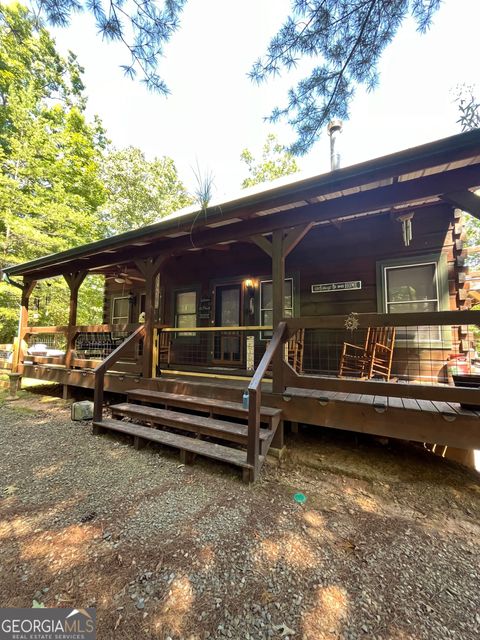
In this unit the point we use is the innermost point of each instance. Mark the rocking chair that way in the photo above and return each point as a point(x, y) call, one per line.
point(294, 351)
point(372, 360)
point(164, 348)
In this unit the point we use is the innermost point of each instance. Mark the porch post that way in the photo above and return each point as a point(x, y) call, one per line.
point(149, 268)
point(278, 298)
point(283, 242)
point(27, 288)
point(74, 281)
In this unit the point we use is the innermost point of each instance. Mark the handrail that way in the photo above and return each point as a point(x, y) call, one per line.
point(88, 328)
point(255, 397)
point(421, 318)
point(55, 329)
point(214, 328)
point(99, 371)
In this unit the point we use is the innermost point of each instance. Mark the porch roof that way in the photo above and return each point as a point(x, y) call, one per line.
point(441, 171)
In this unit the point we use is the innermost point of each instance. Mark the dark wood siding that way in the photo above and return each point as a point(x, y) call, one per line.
point(328, 253)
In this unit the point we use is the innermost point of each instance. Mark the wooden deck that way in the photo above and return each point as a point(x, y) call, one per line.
point(444, 423)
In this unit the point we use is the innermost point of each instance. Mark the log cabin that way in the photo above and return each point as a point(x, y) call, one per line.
point(338, 301)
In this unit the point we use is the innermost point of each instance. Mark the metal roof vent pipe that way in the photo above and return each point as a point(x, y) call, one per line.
point(334, 129)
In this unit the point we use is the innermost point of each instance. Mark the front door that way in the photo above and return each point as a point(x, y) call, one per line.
point(228, 313)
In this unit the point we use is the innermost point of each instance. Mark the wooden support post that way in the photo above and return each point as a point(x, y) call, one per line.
point(97, 430)
point(139, 442)
point(253, 444)
point(67, 393)
point(74, 281)
point(187, 457)
point(149, 268)
point(278, 302)
point(281, 245)
point(27, 288)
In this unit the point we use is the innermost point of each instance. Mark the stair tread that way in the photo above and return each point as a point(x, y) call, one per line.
point(206, 402)
point(175, 418)
point(201, 447)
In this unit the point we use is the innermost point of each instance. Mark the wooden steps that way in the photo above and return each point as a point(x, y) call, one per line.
point(268, 415)
point(212, 428)
point(222, 429)
point(212, 450)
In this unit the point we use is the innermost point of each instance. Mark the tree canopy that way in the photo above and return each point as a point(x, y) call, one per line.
point(50, 186)
point(138, 191)
point(275, 162)
point(345, 40)
point(60, 184)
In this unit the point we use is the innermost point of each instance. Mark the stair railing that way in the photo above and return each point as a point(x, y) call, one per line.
point(106, 364)
point(255, 397)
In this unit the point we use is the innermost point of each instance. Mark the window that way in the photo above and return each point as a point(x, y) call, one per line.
point(121, 310)
point(186, 310)
point(413, 288)
point(266, 304)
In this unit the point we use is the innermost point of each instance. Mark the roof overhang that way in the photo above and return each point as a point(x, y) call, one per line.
point(440, 171)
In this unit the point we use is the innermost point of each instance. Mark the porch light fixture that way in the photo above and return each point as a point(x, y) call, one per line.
point(407, 233)
point(249, 284)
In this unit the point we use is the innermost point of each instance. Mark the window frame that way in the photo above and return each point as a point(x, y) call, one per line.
point(187, 334)
point(112, 317)
point(439, 260)
point(264, 335)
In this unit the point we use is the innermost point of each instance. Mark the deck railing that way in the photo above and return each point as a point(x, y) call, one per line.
point(237, 350)
point(255, 397)
point(107, 364)
point(432, 338)
point(82, 346)
point(6, 352)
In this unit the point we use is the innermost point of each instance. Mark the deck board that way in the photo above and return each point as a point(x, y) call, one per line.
point(395, 403)
point(427, 405)
point(445, 409)
point(411, 403)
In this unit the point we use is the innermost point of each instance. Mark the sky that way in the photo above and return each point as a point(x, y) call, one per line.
point(214, 110)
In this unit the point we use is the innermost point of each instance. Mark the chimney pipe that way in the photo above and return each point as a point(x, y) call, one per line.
point(334, 129)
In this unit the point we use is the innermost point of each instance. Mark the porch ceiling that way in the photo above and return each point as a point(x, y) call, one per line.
point(415, 177)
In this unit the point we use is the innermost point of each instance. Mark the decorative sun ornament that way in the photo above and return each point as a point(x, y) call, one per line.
point(352, 322)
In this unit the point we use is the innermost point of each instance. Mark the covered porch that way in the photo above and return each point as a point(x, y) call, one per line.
point(207, 304)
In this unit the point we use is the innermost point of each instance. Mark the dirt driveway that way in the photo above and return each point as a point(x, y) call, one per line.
point(386, 546)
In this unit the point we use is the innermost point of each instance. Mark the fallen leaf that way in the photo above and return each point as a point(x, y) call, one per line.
point(283, 629)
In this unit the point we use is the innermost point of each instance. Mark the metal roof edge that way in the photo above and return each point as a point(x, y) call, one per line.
point(462, 143)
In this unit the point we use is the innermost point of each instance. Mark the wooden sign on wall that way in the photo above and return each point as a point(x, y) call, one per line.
point(250, 353)
point(205, 308)
point(336, 286)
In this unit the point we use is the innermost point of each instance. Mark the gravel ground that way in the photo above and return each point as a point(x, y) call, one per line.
point(386, 546)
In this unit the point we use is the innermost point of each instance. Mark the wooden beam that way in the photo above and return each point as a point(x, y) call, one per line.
point(263, 243)
point(74, 281)
point(465, 200)
point(294, 237)
point(150, 268)
point(27, 288)
point(278, 304)
point(371, 200)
